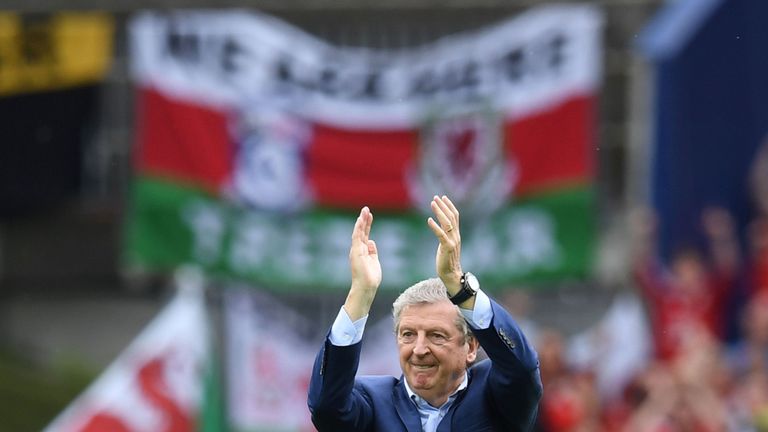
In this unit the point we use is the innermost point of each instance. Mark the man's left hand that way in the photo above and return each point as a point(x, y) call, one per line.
point(445, 225)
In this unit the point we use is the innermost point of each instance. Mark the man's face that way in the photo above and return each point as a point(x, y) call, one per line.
point(433, 352)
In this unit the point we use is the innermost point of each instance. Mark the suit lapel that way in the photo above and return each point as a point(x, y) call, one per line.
point(405, 408)
point(447, 421)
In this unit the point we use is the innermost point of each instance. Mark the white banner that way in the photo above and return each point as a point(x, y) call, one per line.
point(237, 58)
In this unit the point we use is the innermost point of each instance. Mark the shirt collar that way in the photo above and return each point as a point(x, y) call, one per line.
point(419, 401)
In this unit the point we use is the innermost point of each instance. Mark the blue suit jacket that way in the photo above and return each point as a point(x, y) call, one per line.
point(502, 394)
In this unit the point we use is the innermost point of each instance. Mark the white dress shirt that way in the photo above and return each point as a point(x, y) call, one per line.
point(431, 416)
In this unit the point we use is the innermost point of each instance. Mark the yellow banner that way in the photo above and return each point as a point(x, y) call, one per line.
point(52, 52)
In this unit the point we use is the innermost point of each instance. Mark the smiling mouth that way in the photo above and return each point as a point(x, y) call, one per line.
point(422, 367)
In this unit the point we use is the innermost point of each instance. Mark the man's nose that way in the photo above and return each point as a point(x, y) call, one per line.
point(421, 347)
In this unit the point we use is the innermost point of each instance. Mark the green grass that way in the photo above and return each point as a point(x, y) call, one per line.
point(31, 396)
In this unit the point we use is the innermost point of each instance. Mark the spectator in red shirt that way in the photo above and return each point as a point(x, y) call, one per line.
point(758, 227)
point(692, 292)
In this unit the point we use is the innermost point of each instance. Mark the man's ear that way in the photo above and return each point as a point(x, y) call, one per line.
point(474, 345)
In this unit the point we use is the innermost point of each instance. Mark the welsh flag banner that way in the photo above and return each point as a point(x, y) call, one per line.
point(157, 384)
point(258, 144)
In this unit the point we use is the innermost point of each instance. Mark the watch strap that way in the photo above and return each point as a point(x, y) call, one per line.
point(464, 294)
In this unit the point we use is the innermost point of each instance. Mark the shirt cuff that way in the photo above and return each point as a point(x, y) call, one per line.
point(345, 332)
point(481, 316)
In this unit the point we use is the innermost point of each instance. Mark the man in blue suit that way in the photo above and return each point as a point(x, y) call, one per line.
point(439, 325)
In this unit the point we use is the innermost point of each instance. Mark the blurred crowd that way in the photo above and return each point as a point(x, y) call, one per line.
point(706, 312)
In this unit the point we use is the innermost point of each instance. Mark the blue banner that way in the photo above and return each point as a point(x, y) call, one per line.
point(710, 111)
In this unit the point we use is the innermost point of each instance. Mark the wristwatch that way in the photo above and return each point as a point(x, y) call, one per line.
point(469, 287)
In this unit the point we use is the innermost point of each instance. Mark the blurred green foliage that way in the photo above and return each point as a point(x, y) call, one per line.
point(31, 396)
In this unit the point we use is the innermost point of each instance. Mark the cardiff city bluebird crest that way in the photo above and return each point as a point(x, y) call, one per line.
point(269, 169)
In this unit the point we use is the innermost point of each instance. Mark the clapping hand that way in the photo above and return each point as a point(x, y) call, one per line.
point(445, 225)
point(365, 267)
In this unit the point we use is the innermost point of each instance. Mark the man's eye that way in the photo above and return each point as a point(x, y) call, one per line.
point(438, 337)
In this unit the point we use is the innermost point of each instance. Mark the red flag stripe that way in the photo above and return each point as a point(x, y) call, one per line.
point(341, 192)
point(554, 147)
point(183, 141)
point(382, 153)
point(349, 168)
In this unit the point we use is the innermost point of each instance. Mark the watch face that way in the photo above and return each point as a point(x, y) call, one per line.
point(471, 282)
point(469, 287)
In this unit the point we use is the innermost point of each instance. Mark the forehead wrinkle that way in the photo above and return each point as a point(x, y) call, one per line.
point(418, 322)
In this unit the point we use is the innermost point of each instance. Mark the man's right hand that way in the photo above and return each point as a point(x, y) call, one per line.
point(364, 266)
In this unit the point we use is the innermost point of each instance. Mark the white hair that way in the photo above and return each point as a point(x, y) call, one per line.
point(428, 291)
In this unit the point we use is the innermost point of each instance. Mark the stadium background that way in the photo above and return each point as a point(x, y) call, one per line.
point(67, 304)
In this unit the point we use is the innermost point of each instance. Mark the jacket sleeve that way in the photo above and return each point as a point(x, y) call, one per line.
point(334, 401)
point(514, 384)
